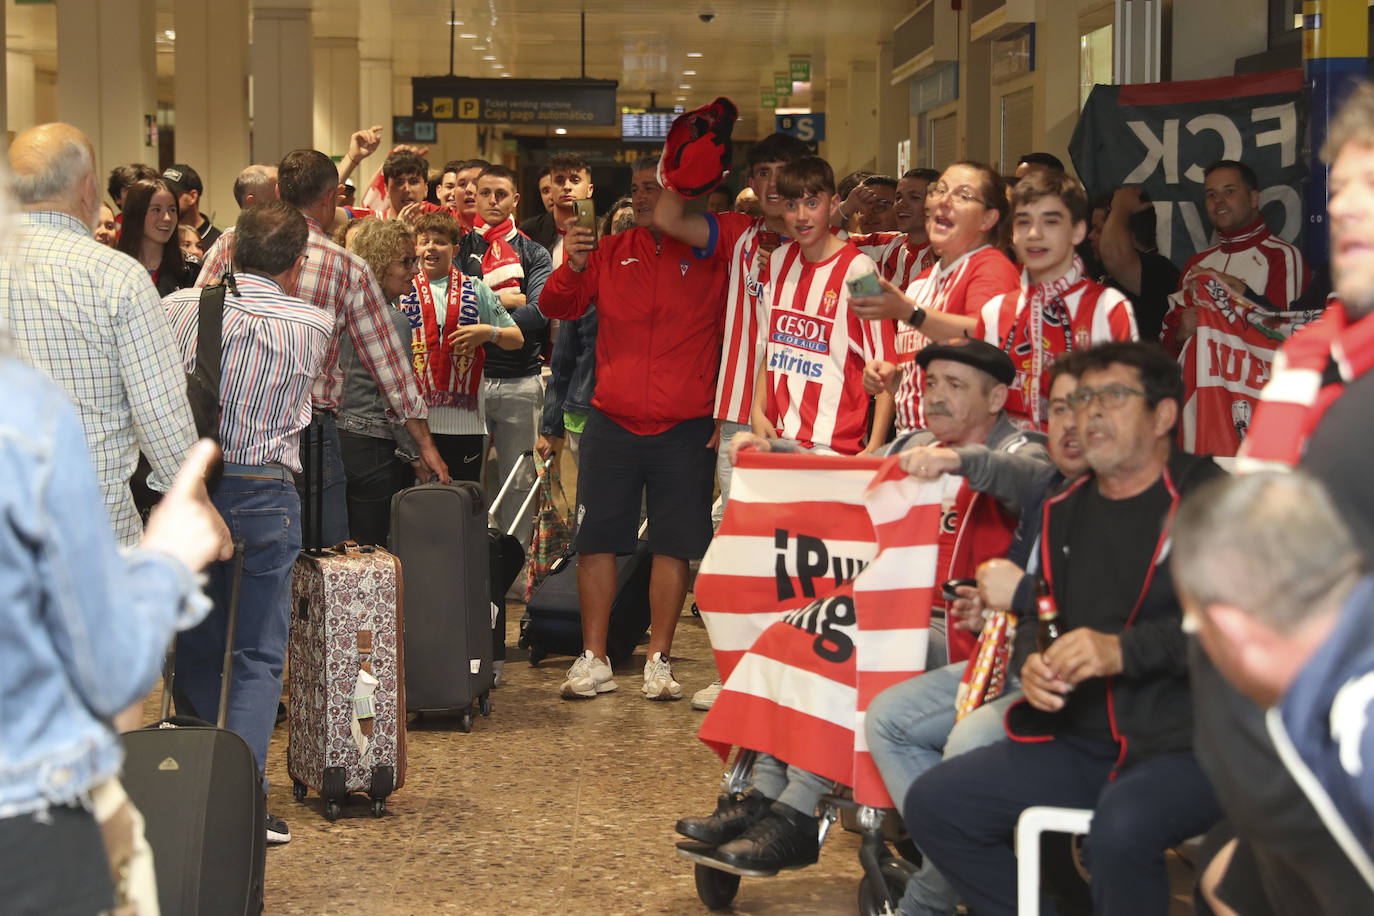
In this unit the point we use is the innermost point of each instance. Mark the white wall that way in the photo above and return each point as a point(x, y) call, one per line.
point(1210, 35)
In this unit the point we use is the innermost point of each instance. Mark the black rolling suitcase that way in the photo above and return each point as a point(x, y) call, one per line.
point(198, 789)
point(552, 624)
point(439, 532)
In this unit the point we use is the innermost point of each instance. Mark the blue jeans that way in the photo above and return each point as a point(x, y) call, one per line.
point(323, 433)
point(963, 814)
point(724, 469)
point(266, 513)
point(910, 728)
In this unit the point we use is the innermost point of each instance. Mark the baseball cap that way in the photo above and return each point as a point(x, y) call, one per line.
point(182, 178)
point(697, 151)
point(971, 352)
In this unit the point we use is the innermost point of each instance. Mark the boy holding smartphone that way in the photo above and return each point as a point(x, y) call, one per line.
point(810, 383)
point(1058, 308)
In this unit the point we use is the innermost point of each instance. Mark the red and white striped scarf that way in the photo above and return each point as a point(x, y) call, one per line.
point(1045, 322)
point(824, 571)
point(1300, 391)
point(446, 379)
point(501, 267)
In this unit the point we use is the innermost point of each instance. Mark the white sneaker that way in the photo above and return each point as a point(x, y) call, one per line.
point(705, 698)
point(658, 679)
point(587, 677)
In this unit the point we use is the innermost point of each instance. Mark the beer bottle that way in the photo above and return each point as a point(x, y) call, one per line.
point(1048, 612)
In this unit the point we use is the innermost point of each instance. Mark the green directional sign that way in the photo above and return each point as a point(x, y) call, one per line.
point(782, 85)
point(768, 100)
point(800, 71)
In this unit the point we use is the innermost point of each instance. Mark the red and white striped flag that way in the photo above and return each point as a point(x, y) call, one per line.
point(802, 642)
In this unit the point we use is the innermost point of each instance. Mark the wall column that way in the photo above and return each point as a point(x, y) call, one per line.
point(283, 79)
point(107, 76)
point(211, 98)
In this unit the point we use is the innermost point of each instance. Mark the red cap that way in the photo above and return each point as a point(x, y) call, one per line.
point(697, 151)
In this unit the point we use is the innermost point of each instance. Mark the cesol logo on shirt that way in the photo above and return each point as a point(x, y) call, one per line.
point(796, 330)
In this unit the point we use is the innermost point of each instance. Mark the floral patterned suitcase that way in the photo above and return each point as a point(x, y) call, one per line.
point(347, 683)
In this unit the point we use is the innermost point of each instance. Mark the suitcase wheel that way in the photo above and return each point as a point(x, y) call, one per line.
point(331, 809)
point(298, 789)
point(378, 807)
point(465, 723)
point(484, 704)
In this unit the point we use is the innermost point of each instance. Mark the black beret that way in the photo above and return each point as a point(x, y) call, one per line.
point(972, 352)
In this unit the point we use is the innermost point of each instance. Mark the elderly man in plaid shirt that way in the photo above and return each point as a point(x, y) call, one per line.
point(89, 317)
point(341, 284)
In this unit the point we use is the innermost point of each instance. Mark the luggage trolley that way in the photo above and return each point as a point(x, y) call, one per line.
point(884, 874)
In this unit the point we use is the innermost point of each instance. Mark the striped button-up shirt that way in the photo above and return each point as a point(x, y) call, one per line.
point(271, 350)
point(90, 318)
point(342, 285)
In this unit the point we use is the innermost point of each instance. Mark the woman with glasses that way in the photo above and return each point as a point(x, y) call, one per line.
point(379, 456)
point(966, 213)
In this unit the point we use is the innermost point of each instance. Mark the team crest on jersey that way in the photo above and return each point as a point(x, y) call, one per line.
point(829, 302)
point(683, 265)
point(755, 287)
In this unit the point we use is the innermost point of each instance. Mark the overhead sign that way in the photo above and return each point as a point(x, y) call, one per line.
point(782, 85)
point(413, 130)
point(768, 99)
point(809, 128)
point(800, 71)
point(561, 103)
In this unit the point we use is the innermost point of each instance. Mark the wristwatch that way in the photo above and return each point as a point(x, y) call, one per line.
point(917, 317)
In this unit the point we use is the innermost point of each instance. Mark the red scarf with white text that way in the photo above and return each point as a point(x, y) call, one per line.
point(447, 379)
point(501, 267)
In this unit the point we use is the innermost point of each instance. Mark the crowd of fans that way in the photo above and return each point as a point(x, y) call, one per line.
point(1006, 333)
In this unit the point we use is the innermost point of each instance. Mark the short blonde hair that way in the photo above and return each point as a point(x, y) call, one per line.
point(1354, 123)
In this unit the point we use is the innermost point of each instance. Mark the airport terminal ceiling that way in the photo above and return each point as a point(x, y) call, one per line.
point(644, 45)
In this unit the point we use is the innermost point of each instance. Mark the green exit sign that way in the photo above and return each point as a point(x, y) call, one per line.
point(782, 85)
point(768, 100)
point(800, 71)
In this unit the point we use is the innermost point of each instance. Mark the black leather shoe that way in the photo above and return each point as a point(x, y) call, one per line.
point(786, 838)
point(733, 816)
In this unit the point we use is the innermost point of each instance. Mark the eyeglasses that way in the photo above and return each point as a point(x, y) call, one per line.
point(1112, 396)
point(411, 262)
point(962, 195)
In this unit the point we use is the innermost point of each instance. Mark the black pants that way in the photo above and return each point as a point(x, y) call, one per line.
point(65, 868)
point(962, 813)
point(462, 454)
point(374, 474)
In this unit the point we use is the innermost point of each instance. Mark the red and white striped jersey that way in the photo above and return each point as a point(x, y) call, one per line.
point(815, 350)
point(738, 233)
point(898, 260)
point(961, 288)
point(1032, 330)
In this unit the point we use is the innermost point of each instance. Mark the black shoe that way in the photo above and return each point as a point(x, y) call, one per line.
point(733, 816)
point(278, 833)
point(786, 838)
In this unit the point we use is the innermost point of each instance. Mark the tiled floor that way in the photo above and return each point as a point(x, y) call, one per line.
point(547, 806)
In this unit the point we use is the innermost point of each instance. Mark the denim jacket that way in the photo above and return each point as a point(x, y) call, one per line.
point(572, 373)
point(83, 626)
point(363, 409)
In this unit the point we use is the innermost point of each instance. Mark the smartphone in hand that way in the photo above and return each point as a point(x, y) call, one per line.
point(866, 285)
point(586, 216)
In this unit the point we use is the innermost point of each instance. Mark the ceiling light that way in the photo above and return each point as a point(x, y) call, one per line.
point(560, 130)
point(466, 35)
point(689, 73)
point(455, 22)
point(171, 35)
point(684, 87)
point(489, 57)
point(498, 66)
point(507, 73)
point(694, 54)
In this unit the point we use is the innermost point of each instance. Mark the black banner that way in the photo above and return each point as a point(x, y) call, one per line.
point(1160, 136)
point(555, 103)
